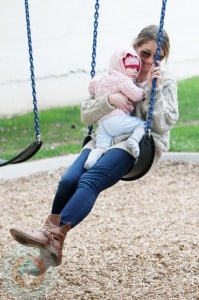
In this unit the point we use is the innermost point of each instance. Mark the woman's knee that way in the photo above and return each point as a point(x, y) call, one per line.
point(66, 183)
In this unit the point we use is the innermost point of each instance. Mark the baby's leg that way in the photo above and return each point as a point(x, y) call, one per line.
point(133, 141)
point(93, 157)
point(103, 141)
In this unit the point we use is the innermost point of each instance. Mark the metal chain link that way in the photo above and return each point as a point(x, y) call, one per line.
point(36, 117)
point(94, 48)
point(157, 57)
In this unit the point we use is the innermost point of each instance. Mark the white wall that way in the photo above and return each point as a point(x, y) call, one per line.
point(62, 43)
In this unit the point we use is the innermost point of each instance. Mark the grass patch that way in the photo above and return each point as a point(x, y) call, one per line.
point(61, 128)
point(63, 132)
point(185, 135)
point(185, 138)
point(188, 97)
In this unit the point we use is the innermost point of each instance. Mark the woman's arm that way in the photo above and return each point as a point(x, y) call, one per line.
point(93, 109)
point(166, 107)
point(165, 110)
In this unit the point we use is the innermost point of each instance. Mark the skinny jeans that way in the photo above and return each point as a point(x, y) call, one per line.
point(79, 188)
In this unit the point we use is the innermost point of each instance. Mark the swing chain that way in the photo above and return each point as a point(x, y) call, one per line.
point(160, 35)
point(94, 47)
point(96, 16)
point(36, 118)
point(157, 57)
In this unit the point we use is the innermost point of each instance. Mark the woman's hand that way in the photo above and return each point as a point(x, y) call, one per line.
point(120, 101)
point(155, 72)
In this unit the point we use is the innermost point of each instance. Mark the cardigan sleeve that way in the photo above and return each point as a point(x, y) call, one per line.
point(94, 109)
point(165, 110)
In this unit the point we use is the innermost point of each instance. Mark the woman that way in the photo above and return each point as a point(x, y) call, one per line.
point(79, 188)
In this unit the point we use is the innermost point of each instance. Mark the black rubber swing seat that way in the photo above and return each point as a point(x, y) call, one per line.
point(145, 160)
point(24, 155)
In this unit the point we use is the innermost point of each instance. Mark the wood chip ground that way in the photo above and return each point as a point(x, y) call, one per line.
point(141, 240)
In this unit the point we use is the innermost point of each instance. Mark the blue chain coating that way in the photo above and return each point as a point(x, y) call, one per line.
point(96, 16)
point(36, 118)
point(94, 48)
point(157, 57)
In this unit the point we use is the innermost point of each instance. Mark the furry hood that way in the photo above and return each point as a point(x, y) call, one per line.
point(116, 60)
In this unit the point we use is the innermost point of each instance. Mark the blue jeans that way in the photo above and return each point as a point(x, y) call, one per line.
point(78, 188)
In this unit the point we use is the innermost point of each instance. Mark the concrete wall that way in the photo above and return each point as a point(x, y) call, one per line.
point(62, 42)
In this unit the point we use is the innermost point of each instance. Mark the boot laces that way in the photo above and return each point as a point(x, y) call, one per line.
point(49, 235)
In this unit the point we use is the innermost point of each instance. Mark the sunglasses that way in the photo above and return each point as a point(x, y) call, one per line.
point(145, 54)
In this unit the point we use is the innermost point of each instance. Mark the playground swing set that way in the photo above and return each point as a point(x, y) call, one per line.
point(147, 147)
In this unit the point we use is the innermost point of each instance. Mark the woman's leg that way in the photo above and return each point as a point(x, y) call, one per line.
point(108, 170)
point(68, 182)
point(51, 235)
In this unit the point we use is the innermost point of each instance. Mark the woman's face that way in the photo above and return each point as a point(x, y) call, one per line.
point(147, 53)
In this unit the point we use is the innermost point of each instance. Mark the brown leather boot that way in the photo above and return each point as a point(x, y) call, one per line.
point(49, 237)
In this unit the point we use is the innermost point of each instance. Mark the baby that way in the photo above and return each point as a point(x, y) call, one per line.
point(124, 68)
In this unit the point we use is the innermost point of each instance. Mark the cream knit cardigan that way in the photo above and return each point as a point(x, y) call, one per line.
point(165, 114)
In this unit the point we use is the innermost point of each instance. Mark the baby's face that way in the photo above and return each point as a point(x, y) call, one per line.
point(132, 73)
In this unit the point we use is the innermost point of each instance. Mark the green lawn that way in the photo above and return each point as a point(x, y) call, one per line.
point(63, 132)
point(185, 135)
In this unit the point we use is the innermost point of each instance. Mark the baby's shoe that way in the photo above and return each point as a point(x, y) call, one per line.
point(133, 145)
point(93, 157)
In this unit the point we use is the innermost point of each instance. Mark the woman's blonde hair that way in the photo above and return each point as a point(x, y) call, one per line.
point(150, 33)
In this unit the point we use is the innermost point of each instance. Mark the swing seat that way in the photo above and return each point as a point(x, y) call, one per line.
point(24, 155)
point(145, 160)
point(87, 139)
point(29, 151)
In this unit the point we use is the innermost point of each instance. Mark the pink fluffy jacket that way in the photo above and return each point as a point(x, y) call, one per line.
point(116, 80)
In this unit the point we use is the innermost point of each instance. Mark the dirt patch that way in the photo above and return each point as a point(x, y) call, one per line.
point(141, 241)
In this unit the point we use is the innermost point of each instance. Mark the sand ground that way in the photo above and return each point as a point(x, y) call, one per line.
point(141, 240)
